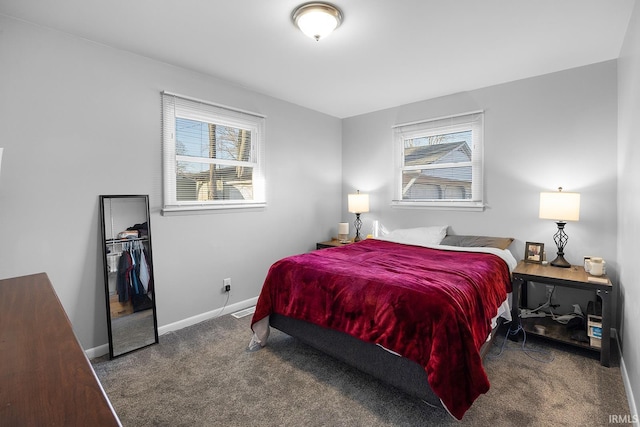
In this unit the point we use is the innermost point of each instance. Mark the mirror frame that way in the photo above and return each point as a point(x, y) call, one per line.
point(106, 240)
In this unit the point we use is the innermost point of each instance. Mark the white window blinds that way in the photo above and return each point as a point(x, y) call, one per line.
point(213, 156)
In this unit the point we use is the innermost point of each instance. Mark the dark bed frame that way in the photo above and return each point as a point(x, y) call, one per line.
point(402, 373)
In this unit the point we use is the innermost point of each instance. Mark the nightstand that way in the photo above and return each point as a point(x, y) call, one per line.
point(572, 277)
point(331, 244)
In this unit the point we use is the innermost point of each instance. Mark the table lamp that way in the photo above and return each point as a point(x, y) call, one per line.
point(561, 207)
point(357, 204)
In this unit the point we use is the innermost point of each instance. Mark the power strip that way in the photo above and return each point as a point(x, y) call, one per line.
point(526, 313)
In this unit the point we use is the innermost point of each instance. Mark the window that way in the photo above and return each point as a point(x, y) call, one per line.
point(438, 163)
point(212, 156)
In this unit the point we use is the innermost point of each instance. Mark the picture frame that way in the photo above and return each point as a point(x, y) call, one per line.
point(534, 252)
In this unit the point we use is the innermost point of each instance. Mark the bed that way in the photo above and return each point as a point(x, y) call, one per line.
point(409, 310)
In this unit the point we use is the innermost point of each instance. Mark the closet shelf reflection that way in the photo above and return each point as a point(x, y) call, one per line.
point(125, 240)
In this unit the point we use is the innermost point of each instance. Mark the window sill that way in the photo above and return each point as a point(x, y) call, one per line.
point(444, 206)
point(200, 209)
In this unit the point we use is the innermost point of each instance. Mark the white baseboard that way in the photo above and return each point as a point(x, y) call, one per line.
point(98, 351)
point(206, 316)
point(633, 409)
point(103, 349)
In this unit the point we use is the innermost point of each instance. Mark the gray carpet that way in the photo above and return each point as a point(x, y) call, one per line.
point(203, 376)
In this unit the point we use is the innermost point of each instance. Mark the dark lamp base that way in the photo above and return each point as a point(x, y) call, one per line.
point(560, 262)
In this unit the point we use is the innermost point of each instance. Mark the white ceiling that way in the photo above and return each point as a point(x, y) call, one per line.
point(386, 53)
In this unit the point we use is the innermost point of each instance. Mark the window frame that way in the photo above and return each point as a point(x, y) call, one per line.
point(179, 106)
point(470, 121)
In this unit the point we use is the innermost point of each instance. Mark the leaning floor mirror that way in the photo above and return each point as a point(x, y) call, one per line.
point(128, 273)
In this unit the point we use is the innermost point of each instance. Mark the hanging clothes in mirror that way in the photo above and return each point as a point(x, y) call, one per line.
point(133, 283)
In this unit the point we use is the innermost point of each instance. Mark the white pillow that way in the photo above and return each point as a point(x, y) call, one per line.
point(421, 236)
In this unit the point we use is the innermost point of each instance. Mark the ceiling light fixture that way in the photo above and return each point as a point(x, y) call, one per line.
point(317, 20)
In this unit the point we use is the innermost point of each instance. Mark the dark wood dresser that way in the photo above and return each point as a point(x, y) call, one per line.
point(45, 376)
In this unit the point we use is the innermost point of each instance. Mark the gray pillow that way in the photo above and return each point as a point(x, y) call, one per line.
point(477, 241)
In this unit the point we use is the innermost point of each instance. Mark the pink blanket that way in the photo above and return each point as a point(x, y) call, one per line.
point(429, 305)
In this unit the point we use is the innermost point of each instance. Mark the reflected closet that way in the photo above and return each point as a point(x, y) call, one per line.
point(128, 273)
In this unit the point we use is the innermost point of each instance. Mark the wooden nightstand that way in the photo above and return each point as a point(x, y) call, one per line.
point(331, 244)
point(572, 277)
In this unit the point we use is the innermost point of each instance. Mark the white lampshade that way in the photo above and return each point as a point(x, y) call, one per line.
point(358, 203)
point(560, 206)
point(317, 20)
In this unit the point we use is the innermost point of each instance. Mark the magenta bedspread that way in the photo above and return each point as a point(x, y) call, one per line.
point(429, 305)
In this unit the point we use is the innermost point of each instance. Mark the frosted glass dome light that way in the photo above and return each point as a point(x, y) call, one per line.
point(317, 20)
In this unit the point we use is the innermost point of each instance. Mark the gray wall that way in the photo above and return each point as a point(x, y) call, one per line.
point(79, 119)
point(540, 133)
point(629, 200)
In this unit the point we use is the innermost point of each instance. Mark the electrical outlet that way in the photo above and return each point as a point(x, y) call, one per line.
point(226, 284)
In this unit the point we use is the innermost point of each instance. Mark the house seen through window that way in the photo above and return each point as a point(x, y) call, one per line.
point(439, 162)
